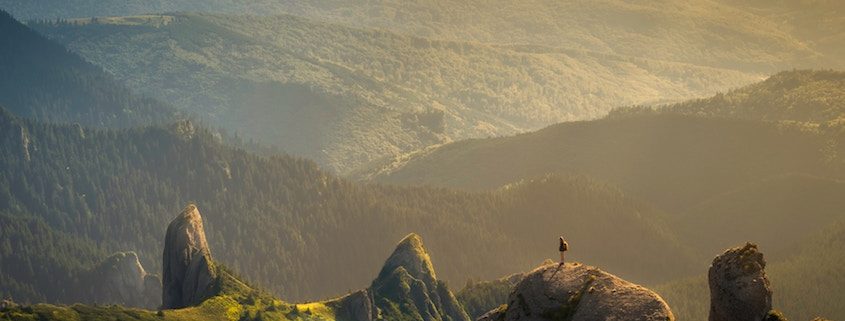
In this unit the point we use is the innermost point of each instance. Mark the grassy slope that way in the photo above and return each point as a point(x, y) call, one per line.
point(328, 92)
point(235, 301)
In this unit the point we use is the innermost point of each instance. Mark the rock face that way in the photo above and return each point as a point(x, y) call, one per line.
point(120, 279)
point(739, 288)
point(408, 287)
point(189, 274)
point(357, 306)
point(578, 292)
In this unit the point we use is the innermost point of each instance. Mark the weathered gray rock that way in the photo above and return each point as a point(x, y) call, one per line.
point(579, 292)
point(407, 280)
point(357, 306)
point(189, 274)
point(739, 288)
point(120, 279)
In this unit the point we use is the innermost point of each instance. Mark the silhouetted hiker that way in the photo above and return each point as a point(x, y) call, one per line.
point(562, 248)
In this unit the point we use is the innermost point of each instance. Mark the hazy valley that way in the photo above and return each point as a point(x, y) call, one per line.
point(313, 136)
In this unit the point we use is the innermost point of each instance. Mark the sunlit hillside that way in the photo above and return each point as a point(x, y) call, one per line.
point(744, 34)
point(283, 160)
point(329, 92)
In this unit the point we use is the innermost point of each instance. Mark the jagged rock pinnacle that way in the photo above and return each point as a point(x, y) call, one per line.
point(412, 256)
point(189, 276)
point(408, 280)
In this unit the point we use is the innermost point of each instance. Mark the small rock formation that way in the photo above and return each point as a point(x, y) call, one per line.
point(357, 306)
point(578, 292)
point(120, 279)
point(739, 288)
point(408, 286)
point(189, 274)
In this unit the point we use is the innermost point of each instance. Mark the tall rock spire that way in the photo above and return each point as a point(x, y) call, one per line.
point(189, 276)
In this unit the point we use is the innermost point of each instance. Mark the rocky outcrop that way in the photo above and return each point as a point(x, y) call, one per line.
point(739, 288)
point(407, 287)
point(579, 292)
point(357, 306)
point(189, 276)
point(120, 279)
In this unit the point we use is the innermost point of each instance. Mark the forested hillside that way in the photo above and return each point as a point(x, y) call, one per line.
point(43, 80)
point(649, 151)
point(781, 213)
point(722, 180)
point(330, 92)
point(806, 285)
point(810, 96)
point(819, 22)
point(674, 161)
point(289, 226)
point(751, 34)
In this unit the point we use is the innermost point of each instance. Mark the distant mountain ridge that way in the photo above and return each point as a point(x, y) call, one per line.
point(762, 161)
point(41, 79)
point(810, 96)
point(328, 91)
point(769, 33)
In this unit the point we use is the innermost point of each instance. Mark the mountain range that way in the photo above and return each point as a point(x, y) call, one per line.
point(104, 190)
point(313, 88)
point(651, 140)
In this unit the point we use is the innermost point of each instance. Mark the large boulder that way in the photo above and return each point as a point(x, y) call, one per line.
point(576, 292)
point(739, 288)
point(408, 288)
point(189, 276)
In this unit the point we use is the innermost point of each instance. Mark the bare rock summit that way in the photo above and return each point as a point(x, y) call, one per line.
point(578, 292)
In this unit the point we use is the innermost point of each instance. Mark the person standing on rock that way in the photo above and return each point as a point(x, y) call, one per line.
point(562, 248)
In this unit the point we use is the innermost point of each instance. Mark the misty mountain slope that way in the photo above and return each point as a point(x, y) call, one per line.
point(779, 214)
point(674, 161)
point(813, 96)
point(699, 32)
point(289, 225)
point(43, 80)
point(345, 96)
point(807, 284)
point(747, 35)
point(819, 22)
